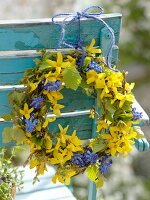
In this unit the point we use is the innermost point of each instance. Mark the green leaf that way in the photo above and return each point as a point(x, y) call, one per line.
point(110, 107)
point(16, 98)
point(99, 145)
point(87, 60)
point(92, 171)
point(18, 134)
point(72, 78)
point(83, 83)
point(48, 55)
point(44, 65)
point(109, 117)
point(7, 135)
point(6, 117)
point(37, 140)
point(37, 61)
point(127, 106)
point(125, 117)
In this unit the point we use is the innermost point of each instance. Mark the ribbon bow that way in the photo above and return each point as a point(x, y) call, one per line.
point(79, 44)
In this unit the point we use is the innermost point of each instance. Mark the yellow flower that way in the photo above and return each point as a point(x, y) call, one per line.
point(91, 49)
point(47, 121)
point(115, 79)
point(129, 87)
point(99, 79)
point(119, 140)
point(59, 64)
point(33, 86)
point(123, 128)
point(26, 111)
point(101, 124)
point(52, 76)
point(122, 98)
point(75, 141)
point(104, 93)
point(100, 82)
point(33, 163)
point(56, 109)
point(65, 146)
point(53, 96)
point(62, 132)
point(91, 114)
point(48, 142)
point(41, 168)
point(64, 176)
point(71, 60)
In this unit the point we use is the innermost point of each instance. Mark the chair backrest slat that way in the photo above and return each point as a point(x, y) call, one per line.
point(20, 39)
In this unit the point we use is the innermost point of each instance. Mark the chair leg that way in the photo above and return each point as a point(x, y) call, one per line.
point(92, 191)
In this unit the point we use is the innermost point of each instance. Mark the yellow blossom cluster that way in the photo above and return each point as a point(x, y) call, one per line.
point(120, 139)
point(111, 85)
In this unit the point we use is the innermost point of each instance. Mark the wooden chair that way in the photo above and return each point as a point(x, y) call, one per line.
point(19, 42)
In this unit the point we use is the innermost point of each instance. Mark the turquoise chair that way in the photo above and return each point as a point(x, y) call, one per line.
point(19, 42)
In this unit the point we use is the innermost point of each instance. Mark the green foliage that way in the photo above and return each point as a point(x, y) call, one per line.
point(135, 46)
point(18, 134)
point(7, 135)
point(10, 176)
point(16, 98)
point(6, 117)
point(14, 133)
point(92, 171)
point(94, 175)
point(99, 145)
point(87, 60)
point(72, 78)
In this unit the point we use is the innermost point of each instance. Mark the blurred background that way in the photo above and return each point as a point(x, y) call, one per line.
point(129, 178)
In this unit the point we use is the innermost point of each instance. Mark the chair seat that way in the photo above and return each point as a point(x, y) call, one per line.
point(43, 190)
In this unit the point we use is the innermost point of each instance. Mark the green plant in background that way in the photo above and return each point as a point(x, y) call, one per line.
point(10, 176)
point(135, 31)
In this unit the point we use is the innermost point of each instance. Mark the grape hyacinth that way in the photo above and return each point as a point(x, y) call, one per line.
point(104, 164)
point(36, 102)
point(85, 159)
point(94, 66)
point(31, 124)
point(52, 85)
point(136, 115)
point(78, 63)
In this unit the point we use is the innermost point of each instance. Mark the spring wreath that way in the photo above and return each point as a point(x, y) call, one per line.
point(44, 83)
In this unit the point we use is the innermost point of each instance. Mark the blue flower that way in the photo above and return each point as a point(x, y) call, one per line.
point(31, 124)
point(136, 115)
point(78, 63)
point(36, 102)
point(85, 159)
point(104, 164)
point(94, 66)
point(77, 159)
point(52, 85)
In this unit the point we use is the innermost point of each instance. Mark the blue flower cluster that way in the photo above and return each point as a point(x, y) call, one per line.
point(78, 63)
point(31, 124)
point(85, 159)
point(52, 85)
point(104, 164)
point(94, 66)
point(136, 115)
point(36, 102)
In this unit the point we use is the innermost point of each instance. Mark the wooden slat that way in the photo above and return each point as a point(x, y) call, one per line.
point(82, 124)
point(73, 100)
point(45, 189)
point(39, 34)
